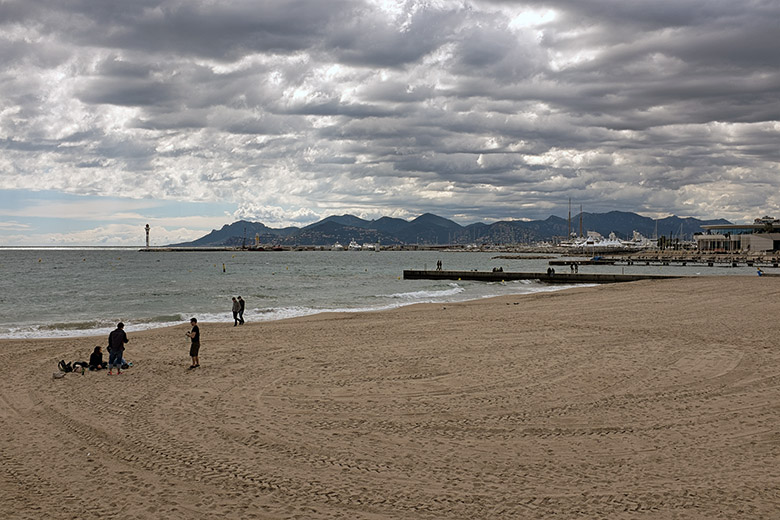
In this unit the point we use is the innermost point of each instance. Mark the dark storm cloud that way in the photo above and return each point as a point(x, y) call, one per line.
point(468, 108)
point(127, 93)
point(370, 41)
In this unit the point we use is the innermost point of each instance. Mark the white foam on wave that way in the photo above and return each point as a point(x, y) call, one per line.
point(423, 295)
point(34, 332)
point(454, 293)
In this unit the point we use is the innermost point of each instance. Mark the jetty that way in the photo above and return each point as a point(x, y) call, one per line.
point(592, 261)
point(502, 276)
point(675, 258)
point(210, 249)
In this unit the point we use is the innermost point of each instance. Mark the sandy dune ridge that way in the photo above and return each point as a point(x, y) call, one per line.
point(654, 399)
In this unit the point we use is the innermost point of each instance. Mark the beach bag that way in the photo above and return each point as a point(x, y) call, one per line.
point(65, 367)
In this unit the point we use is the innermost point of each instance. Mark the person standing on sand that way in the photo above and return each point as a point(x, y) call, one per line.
point(236, 308)
point(241, 306)
point(116, 347)
point(194, 336)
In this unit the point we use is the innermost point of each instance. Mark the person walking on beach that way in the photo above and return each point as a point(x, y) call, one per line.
point(194, 336)
point(116, 347)
point(236, 308)
point(241, 306)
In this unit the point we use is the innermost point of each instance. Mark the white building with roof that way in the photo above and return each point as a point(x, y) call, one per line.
point(763, 235)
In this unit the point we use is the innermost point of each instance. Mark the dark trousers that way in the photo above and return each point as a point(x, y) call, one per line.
point(115, 359)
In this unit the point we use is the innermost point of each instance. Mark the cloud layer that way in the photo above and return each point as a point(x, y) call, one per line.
point(473, 110)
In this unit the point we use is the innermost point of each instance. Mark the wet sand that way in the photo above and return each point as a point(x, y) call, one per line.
point(654, 399)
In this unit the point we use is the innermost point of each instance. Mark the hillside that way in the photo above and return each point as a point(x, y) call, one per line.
point(429, 229)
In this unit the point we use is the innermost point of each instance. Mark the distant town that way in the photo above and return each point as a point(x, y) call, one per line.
point(585, 233)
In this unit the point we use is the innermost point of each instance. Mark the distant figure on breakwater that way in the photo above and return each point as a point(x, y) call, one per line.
point(438, 265)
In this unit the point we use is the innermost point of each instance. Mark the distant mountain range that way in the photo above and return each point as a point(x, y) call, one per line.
point(429, 229)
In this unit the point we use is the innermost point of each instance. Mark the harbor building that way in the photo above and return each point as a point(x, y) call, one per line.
point(763, 235)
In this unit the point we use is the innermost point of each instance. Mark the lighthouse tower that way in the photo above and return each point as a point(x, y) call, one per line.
point(147, 236)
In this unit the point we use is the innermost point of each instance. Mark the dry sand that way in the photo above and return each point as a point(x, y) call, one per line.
point(649, 399)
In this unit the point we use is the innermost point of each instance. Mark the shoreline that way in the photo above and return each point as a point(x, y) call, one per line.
point(653, 397)
point(262, 317)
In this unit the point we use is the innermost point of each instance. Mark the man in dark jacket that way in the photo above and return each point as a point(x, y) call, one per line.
point(236, 308)
point(116, 346)
point(241, 306)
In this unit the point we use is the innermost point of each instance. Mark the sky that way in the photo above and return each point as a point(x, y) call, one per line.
point(190, 114)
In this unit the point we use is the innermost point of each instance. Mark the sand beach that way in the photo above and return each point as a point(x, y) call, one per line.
point(653, 399)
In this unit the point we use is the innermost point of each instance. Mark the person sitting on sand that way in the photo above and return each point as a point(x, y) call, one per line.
point(96, 359)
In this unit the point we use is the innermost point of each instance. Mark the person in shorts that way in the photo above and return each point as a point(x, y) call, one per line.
point(194, 336)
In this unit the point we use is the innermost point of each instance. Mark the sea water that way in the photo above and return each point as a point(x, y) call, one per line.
point(49, 292)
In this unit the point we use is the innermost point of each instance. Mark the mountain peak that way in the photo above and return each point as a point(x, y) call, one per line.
point(435, 230)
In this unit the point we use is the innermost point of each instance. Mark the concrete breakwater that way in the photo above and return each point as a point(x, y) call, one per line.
point(499, 276)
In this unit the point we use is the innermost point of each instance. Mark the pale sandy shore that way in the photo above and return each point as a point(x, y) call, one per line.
point(643, 400)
